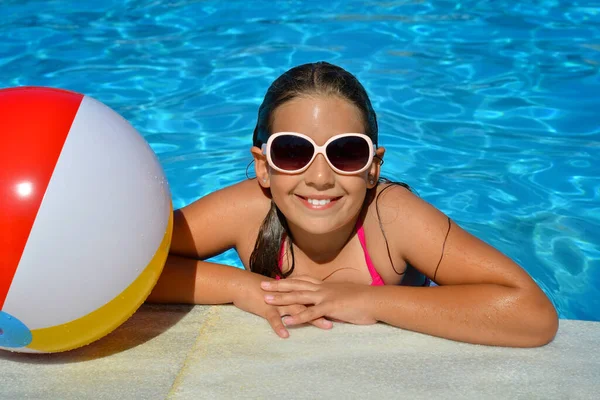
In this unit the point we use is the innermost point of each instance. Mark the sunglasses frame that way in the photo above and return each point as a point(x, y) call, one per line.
point(266, 150)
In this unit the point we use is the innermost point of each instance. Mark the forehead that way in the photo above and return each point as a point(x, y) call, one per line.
point(319, 117)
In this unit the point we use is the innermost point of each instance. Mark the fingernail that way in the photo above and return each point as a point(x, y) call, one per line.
point(287, 320)
point(265, 284)
point(269, 297)
point(283, 333)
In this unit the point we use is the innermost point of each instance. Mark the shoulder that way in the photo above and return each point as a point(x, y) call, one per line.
point(241, 198)
point(394, 203)
point(409, 223)
point(429, 240)
point(220, 220)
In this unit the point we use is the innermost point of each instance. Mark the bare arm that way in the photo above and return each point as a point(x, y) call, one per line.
point(188, 281)
point(483, 314)
point(207, 227)
point(484, 296)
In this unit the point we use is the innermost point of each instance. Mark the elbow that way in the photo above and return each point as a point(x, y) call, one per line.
point(542, 320)
point(545, 330)
point(548, 325)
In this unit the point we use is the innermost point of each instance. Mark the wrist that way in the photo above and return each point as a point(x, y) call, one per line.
point(243, 283)
point(372, 299)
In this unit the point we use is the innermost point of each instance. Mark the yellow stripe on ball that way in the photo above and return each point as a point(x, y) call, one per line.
point(104, 320)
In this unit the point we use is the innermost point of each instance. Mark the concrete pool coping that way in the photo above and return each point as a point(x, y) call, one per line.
point(220, 352)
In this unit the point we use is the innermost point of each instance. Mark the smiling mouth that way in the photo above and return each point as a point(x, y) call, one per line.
point(320, 204)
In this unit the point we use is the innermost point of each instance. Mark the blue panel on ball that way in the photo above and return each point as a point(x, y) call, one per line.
point(13, 333)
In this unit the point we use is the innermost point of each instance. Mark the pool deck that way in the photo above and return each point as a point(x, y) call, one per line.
point(220, 352)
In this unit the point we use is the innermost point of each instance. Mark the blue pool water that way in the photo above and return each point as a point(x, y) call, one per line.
point(489, 109)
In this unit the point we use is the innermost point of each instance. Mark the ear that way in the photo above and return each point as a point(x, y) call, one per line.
point(261, 167)
point(375, 169)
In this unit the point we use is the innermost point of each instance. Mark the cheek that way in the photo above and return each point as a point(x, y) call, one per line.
point(281, 186)
point(354, 184)
point(356, 188)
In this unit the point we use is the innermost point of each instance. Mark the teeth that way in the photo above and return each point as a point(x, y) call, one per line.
point(319, 202)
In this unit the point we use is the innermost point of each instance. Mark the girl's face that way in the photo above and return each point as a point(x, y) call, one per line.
point(317, 200)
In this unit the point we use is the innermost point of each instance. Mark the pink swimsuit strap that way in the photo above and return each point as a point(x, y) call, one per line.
point(281, 252)
point(376, 279)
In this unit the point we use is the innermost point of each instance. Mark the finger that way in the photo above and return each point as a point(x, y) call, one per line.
point(308, 278)
point(310, 314)
point(291, 309)
point(321, 323)
point(287, 285)
point(291, 298)
point(274, 319)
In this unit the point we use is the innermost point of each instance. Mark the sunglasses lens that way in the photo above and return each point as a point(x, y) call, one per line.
point(291, 153)
point(349, 153)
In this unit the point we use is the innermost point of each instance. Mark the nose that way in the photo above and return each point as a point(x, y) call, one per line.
point(319, 174)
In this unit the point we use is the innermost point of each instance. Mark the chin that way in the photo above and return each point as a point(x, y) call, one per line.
point(317, 222)
point(319, 227)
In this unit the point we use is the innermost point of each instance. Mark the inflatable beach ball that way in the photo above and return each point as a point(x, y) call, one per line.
point(85, 220)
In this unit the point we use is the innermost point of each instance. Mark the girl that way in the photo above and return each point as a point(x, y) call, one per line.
point(323, 238)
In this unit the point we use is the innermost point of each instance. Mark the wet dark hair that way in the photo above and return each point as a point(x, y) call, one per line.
point(322, 79)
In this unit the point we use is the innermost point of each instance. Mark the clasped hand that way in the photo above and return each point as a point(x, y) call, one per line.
point(345, 302)
point(302, 299)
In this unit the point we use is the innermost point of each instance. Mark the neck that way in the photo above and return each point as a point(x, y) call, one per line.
point(322, 248)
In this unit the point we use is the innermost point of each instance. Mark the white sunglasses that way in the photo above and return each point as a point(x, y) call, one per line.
point(292, 152)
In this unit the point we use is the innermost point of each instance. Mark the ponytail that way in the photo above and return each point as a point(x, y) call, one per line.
point(264, 259)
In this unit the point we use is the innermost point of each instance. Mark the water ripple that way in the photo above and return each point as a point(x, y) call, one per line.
point(488, 109)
